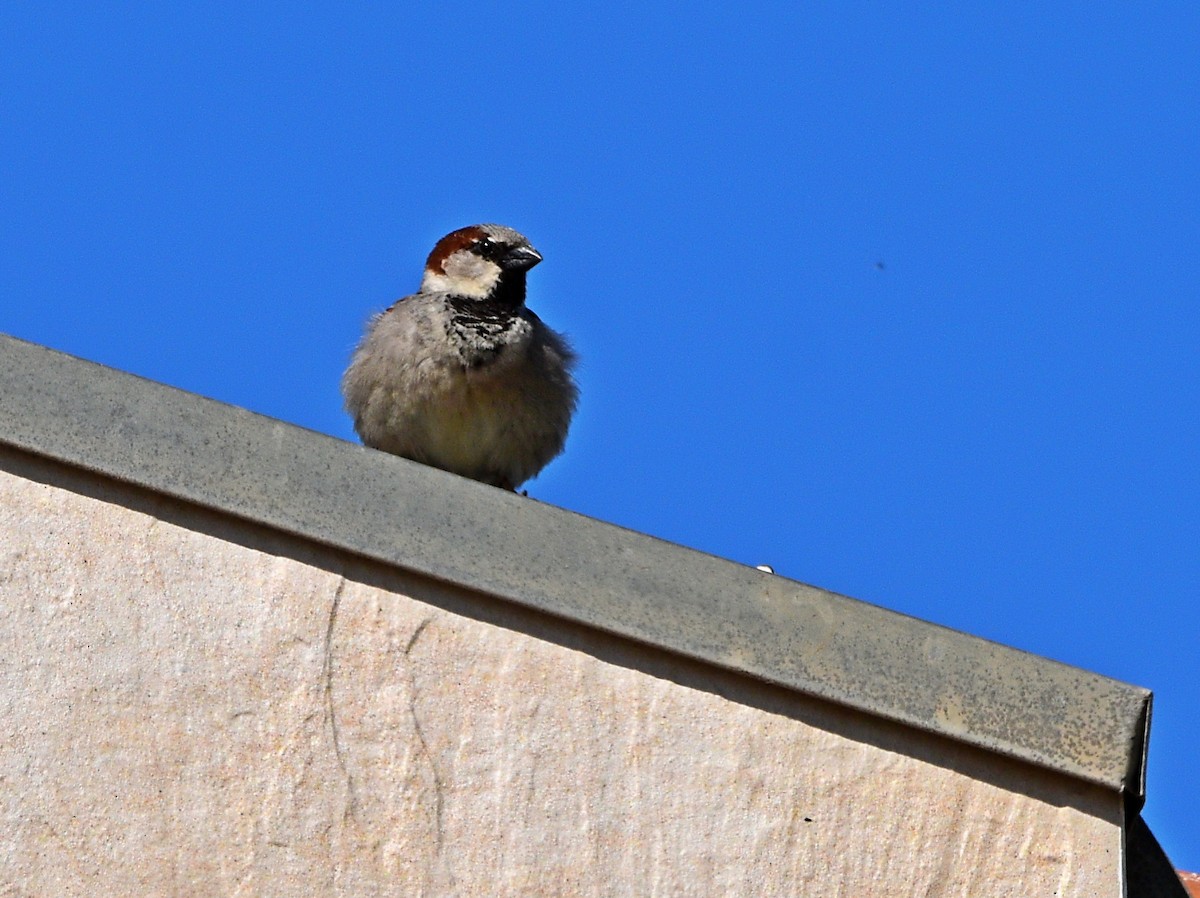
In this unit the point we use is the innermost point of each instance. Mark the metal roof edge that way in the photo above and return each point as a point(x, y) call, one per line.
point(564, 564)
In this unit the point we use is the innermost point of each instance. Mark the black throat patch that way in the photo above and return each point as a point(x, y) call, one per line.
point(480, 328)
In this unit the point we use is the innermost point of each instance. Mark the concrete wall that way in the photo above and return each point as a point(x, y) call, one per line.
point(194, 706)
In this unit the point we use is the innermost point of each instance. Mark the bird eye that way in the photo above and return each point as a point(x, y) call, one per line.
point(489, 248)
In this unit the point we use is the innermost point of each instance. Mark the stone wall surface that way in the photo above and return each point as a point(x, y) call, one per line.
point(192, 711)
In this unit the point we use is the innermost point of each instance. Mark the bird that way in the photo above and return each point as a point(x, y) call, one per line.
point(461, 375)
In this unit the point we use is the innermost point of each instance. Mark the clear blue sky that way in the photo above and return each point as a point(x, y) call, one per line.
point(901, 301)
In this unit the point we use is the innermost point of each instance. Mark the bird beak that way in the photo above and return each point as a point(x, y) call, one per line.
point(520, 258)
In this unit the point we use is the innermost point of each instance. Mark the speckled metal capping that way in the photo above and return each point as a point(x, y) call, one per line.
point(492, 542)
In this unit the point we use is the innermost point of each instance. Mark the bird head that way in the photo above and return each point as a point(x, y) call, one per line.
point(486, 261)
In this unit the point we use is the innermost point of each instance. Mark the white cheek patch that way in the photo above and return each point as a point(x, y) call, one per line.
point(465, 275)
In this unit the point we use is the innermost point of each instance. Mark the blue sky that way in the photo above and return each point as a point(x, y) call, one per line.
point(898, 298)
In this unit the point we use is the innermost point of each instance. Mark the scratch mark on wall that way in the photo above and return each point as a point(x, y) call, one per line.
point(426, 753)
point(330, 706)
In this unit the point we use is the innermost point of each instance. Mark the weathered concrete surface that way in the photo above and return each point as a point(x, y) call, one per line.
point(190, 709)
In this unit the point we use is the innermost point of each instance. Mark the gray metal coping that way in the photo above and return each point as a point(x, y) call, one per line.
point(561, 563)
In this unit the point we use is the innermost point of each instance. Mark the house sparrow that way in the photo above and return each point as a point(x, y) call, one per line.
point(461, 375)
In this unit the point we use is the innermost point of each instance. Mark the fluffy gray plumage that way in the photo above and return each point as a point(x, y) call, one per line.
point(461, 375)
